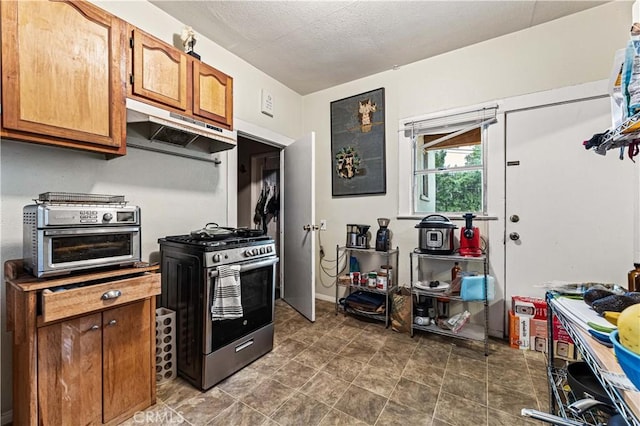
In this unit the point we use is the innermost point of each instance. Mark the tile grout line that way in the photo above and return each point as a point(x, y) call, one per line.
point(446, 366)
point(397, 383)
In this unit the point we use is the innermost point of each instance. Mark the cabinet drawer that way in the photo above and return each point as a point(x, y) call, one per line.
point(67, 303)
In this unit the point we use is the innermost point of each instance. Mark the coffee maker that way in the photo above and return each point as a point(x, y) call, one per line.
point(469, 237)
point(383, 237)
point(358, 236)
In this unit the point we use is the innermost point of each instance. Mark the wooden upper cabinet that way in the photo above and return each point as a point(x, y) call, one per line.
point(63, 75)
point(165, 76)
point(212, 94)
point(159, 71)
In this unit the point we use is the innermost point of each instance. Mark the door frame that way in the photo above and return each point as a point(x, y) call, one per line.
point(268, 137)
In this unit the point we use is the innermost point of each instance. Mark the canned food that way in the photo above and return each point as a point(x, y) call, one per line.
point(344, 280)
point(355, 278)
point(373, 277)
point(381, 281)
point(388, 270)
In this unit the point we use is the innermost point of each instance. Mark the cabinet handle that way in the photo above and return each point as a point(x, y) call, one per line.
point(94, 328)
point(111, 294)
point(112, 322)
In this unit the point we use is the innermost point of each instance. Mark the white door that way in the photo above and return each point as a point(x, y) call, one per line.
point(574, 207)
point(298, 219)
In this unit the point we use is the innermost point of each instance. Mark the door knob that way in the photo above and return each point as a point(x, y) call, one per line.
point(311, 227)
point(514, 236)
point(514, 218)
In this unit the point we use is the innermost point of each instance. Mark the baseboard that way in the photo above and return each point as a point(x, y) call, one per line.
point(325, 298)
point(6, 417)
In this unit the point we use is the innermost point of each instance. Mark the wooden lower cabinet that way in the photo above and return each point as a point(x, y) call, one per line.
point(70, 372)
point(126, 342)
point(88, 368)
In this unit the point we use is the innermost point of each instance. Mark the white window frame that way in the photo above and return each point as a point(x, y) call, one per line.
point(453, 122)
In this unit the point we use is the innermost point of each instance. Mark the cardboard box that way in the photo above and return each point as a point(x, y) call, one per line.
point(539, 335)
point(563, 346)
point(532, 307)
point(519, 331)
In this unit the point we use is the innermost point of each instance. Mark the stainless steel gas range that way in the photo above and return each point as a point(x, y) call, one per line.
point(209, 351)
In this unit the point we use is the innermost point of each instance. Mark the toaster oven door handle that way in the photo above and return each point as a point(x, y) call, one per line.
point(249, 266)
point(90, 230)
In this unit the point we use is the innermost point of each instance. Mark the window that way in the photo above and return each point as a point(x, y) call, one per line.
point(448, 162)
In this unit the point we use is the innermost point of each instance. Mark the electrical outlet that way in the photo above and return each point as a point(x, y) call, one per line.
point(323, 224)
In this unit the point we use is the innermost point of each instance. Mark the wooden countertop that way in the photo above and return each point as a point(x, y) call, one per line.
point(14, 272)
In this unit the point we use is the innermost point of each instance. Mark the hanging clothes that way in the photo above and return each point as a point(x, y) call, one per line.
point(273, 205)
point(258, 217)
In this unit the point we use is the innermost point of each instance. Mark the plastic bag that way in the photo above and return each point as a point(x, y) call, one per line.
point(456, 322)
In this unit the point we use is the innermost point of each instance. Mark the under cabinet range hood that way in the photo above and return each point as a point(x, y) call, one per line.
point(156, 129)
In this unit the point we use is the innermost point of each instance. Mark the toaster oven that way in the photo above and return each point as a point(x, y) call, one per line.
point(61, 238)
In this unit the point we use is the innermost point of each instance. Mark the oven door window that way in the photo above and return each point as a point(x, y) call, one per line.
point(257, 307)
point(77, 248)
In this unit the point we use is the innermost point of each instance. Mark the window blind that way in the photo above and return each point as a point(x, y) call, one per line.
point(451, 123)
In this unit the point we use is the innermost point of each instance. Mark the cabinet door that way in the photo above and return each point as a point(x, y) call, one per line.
point(127, 359)
point(212, 94)
point(70, 372)
point(159, 71)
point(62, 73)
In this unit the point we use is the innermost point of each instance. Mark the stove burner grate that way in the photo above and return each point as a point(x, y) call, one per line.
point(231, 242)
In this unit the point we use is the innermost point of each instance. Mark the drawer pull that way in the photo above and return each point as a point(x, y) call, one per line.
point(244, 345)
point(111, 294)
point(112, 322)
point(94, 328)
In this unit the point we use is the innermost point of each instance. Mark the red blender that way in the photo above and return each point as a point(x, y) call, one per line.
point(469, 237)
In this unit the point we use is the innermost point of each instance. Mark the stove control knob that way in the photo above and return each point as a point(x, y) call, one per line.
point(107, 217)
point(216, 258)
point(263, 250)
point(269, 249)
point(248, 253)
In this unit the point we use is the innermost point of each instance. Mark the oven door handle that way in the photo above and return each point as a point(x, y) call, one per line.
point(249, 266)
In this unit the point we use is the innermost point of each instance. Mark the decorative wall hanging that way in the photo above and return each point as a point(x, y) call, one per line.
point(358, 145)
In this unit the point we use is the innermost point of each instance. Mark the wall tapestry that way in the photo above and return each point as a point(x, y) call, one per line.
point(358, 145)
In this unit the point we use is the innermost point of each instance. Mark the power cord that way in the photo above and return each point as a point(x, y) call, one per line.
point(327, 265)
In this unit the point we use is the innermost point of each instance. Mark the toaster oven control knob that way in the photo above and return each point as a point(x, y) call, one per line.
point(107, 217)
point(216, 258)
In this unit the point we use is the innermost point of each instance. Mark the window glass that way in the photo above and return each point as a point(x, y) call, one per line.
point(449, 173)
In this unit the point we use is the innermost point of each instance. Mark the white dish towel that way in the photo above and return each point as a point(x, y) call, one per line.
point(227, 301)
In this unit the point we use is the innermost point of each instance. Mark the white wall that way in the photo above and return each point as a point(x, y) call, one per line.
point(176, 195)
point(553, 55)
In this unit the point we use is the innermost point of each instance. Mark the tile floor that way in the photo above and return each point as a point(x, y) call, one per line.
point(342, 370)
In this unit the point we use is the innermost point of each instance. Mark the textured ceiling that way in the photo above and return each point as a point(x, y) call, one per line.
point(312, 45)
